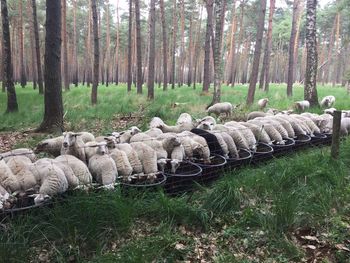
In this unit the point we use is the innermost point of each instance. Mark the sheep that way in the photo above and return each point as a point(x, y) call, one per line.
point(246, 132)
point(191, 147)
point(4, 196)
point(272, 111)
point(231, 146)
point(79, 168)
point(301, 122)
point(147, 156)
point(274, 135)
point(73, 144)
point(327, 101)
point(52, 181)
point(298, 130)
point(329, 111)
point(103, 167)
point(214, 141)
point(51, 146)
point(236, 135)
point(255, 114)
point(302, 105)
point(122, 162)
point(275, 124)
point(345, 113)
point(132, 157)
point(309, 123)
point(208, 119)
point(177, 156)
point(345, 127)
point(19, 165)
point(199, 139)
point(154, 132)
point(19, 152)
point(86, 136)
point(262, 103)
point(184, 118)
point(286, 125)
point(110, 140)
point(259, 133)
point(326, 123)
point(157, 122)
point(221, 107)
point(125, 136)
point(7, 178)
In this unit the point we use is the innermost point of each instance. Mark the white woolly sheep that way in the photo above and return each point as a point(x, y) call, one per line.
point(277, 125)
point(191, 147)
point(298, 129)
point(326, 125)
point(103, 167)
point(86, 136)
point(327, 101)
point(329, 111)
point(154, 132)
point(132, 157)
point(19, 165)
point(262, 103)
point(184, 118)
point(301, 122)
point(255, 114)
point(7, 178)
point(274, 135)
point(147, 156)
point(345, 127)
point(122, 162)
point(302, 105)
point(246, 132)
point(73, 144)
point(259, 133)
point(236, 135)
point(231, 146)
point(157, 122)
point(199, 139)
point(221, 107)
point(79, 168)
point(125, 136)
point(19, 152)
point(177, 156)
point(51, 146)
point(309, 123)
point(286, 125)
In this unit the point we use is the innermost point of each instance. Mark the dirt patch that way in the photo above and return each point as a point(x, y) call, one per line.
point(8, 140)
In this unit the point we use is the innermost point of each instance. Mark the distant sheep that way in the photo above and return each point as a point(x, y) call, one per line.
point(327, 101)
point(262, 103)
point(221, 107)
point(302, 105)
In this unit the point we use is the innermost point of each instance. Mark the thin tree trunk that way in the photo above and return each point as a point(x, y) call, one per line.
point(265, 71)
point(32, 47)
point(21, 46)
point(336, 69)
point(108, 44)
point(53, 114)
point(189, 54)
point(151, 59)
point(138, 47)
point(182, 46)
point(290, 78)
point(232, 52)
point(75, 45)
point(207, 48)
point(310, 91)
point(197, 50)
point(173, 60)
point(96, 53)
point(12, 105)
point(165, 46)
point(37, 48)
point(129, 47)
point(257, 53)
point(117, 48)
point(65, 47)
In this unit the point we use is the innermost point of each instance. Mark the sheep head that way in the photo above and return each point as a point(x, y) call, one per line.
point(102, 148)
point(175, 164)
point(70, 138)
point(40, 198)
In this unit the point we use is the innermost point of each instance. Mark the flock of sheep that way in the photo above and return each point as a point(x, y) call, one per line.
point(79, 160)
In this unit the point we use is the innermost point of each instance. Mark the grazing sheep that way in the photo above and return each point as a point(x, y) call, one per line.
point(19, 165)
point(205, 154)
point(19, 152)
point(246, 132)
point(147, 156)
point(326, 123)
point(184, 118)
point(272, 111)
point(132, 157)
point(221, 107)
point(255, 114)
point(110, 140)
point(7, 178)
point(86, 136)
point(329, 111)
point(154, 132)
point(103, 167)
point(51, 146)
point(209, 119)
point(275, 124)
point(191, 147)
point(345, 127)
point(300, 122)
point(274, 135)
point(298, 130)
point(302, 105)
point(231, 146)
point(259, 133)
point(214, 141)
point(262, 103)
point(79, 168)
point(157, 122)
point(345, 113)
point(52, 181)
point(327, 101)
point(309, 123)
point(125, 136)
point(177, 156)
point(73, 144)
point(236, 135)
point(122, 162)
point(286, 125)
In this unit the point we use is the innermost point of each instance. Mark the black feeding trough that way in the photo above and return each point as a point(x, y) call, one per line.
point(318, 139)
point(282, 149)
point(184, 177)
point(328, 140)
point(302, 141)
point(144, 182)
point(244, 159)
point(263, 153)
point(213, 170)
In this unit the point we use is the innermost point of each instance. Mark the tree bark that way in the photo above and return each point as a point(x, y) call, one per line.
point(265, 71)
point(257, 53)
point(129, 47)
point(116, 80)
point(290, 78)
point(138, 47)
point(207, 48)
point(310, 91)
point(182, 46)
point(151, 59)
point(12, 105)
point(96, 53)
point(21, 46)
point(173, 60)
point(197, 50)
point(75, 45)
point(232, 52)
point(65, 47)
point(53, 114)
point(37, 48)
point(220, 8)
point(165, 46)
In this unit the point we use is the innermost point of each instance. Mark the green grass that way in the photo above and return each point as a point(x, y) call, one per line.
point(251, 215)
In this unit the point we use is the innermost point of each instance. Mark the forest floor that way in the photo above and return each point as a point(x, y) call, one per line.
point(293, 209)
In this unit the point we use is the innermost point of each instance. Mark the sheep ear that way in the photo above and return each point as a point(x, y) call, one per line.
point(64, 134)
point(77, 134)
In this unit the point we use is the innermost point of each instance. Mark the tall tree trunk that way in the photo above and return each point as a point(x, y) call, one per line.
point(117, 49)
point(173, 60)
point(165, 46)
point(182, 46)
point(108, 44)
point(240, 40)
point(96, 52)
point(310, 91)
point(129, 47)
point(32, 47)
point(207, 48)
point(138, 47)
point(53, 114)
point(151, 59)
point(189, 54)
point(65, 47)
point(21, 46)
point(12, 105)
point(290, 78)
point(265, 71)
point(336, 68)
point(197, 50)
point(220, 8)
point(37, 49)
point(257, 53)
point(75, 45)
point(232, 51)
